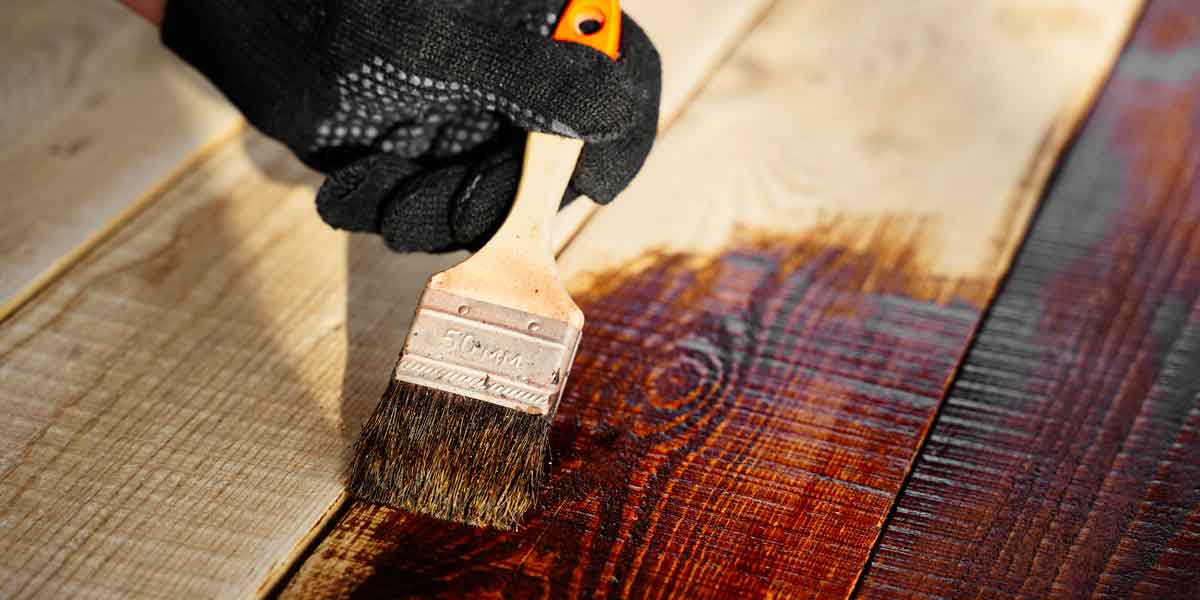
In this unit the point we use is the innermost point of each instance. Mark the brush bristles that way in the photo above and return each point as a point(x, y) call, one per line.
point(450, 457)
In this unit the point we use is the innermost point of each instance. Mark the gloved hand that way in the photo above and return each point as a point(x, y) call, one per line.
point(415, 108)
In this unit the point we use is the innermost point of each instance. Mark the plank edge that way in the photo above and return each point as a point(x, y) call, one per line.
point(108, 229)
point(282, 572)
point(1062, 135)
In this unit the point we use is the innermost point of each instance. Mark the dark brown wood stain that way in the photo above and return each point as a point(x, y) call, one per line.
point(1066, 461)
point(737, 427)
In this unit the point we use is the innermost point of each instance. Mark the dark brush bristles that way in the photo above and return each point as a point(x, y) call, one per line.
point(450, 457)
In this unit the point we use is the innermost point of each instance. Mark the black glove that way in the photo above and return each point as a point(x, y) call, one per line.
point(415, 108)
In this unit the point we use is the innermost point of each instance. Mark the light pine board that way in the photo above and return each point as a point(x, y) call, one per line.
point(174, 410)
point(775, 309)
point(94, 114)
point(946, 115)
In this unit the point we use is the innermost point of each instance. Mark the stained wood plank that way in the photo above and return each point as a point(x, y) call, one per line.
point(774, 310)
point(1066, 462)
point(94, 115)
point(174, 410)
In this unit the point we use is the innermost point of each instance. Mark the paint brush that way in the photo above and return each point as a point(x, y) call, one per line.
point(462, 431)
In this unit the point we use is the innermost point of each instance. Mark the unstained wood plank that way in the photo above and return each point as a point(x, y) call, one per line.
point(94, 115)
point(1066, 460)
point(175, 409)
point(774, 310)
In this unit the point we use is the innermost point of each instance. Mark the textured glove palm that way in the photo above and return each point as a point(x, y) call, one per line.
point(415, 109)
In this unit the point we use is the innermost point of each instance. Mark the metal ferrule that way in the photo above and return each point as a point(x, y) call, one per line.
point(488, 352)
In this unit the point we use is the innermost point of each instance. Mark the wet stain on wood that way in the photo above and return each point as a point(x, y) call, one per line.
point(1066, 460)
point(733, 426)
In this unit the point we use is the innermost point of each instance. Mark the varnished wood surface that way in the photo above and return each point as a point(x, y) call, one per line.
point(737, 430)
point(175, 408)
point(746, 402)
point(94, 114)
point(1066, 462)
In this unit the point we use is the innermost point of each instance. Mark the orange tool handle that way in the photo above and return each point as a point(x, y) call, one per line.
point(593, 23)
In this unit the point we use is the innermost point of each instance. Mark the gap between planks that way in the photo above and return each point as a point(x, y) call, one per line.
point(123, 217)
point(1074, 397)
point(95, 115)
point(1045, 163)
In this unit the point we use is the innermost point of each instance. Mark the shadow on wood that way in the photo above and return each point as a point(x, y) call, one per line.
point(142, 376)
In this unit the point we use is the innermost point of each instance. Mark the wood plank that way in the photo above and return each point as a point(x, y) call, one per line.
point(94, 115)
point(174, 410)
point(1066, 460)
point(774, 310)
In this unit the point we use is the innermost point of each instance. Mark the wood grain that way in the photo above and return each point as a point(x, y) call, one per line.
point(838, 112)
point(773, 311)
point(174, 409)
point(1066, 461)
point(94, 115)
point(702, 449)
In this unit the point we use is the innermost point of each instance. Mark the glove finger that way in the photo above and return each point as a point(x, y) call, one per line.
point(351, 197)
point(453, 207)
point(450, 207)
point(605, 170)
point(607, 167)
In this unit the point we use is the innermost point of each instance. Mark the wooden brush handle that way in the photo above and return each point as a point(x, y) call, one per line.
point(549, 163)
point(517, 268)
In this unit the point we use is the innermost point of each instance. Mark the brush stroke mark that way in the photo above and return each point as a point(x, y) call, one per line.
point(1066, 461)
